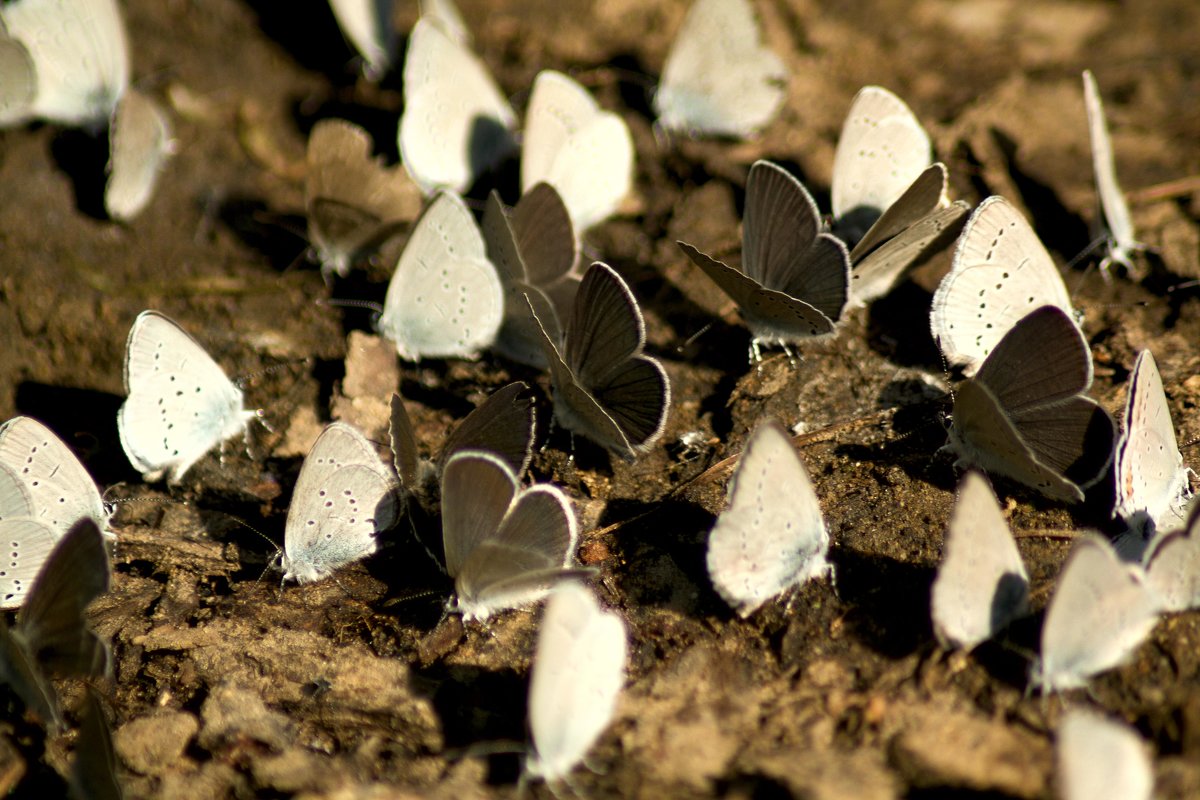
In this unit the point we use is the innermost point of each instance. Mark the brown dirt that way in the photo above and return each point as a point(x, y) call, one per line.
point(226, 686)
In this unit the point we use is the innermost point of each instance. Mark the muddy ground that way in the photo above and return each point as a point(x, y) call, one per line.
point(224, 686)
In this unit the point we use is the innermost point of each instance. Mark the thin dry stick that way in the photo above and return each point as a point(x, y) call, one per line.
point(1165, 191)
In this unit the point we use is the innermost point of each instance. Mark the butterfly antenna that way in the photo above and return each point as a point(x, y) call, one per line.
point(1083, 275)
point(347, 303)
point(688, 342)
point(1184, 285)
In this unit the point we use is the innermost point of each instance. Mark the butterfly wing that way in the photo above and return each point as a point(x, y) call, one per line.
point(27, 544)
point(1099, 757)
point(502, 425)
point(772, 316)
point(18, 81)
point(1100, 613)
point(782, 246)
point(80, 54)
point(719, 77)
point(368, 26)
point(584, 152)
point(1173, 566)
point(180, 402)
point(1000, 273)
point(139, 144)
point(523, 558)
point(981, 584)
point(533, 249)
point(445, 298)
point(1112, 200)
point(982, 435)
point(881, 151)
point(456, 124)
point(772, 536)
point(51, 621)
point(925, 195)
point(58, 485)
point(878, 271)
point(605, 337)
point(578, 672)
point(406, 457)
point(353, 202)
point(477, 490)
point(1150, 474)
point(344, 495)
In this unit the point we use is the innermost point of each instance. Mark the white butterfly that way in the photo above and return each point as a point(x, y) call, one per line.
point(719, 77)
point(581, 150)
point(456, 124)
point(1000, 273)
point(772, 536)
point(1172, 565)
point(180, 403)
point(445, 299)
point(79, 54)
point(1025, 414)
point(353, 202)
point(889, 198)
point(344, 496)
point(44, 491)
point(1152, 483)
point(368, 26)
point(1118, 223)
point(505, 546)
point(1101, 759)
point(981, 584)
point(1101, 612)
point(577, 676)
point(139, 144)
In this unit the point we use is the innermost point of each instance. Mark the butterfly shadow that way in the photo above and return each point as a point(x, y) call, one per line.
point(309, 32)
point(1057, 226)
point(279, 237)
point(897, 327)
point(86, 419)
point(666, 541)
point(482, 712)
point(83, 156)
point(887, 600)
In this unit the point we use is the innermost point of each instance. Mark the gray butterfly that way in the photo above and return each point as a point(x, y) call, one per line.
point(50, 638)
point(94, 768)
point(534, 250)
point(502, 425)
point(353, 202)
point(1025, 416)
point(505, 546)
point(794, 280)
point(605, 387)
